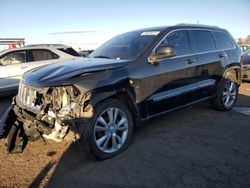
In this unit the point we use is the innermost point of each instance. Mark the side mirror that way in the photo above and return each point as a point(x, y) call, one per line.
point(161, 53)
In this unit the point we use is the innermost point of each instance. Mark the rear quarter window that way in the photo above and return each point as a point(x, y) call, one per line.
point(70, 51)
point(201, 41)
point(222, 41)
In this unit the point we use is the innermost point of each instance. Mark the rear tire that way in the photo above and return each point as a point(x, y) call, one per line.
point(227, 95)
point(110, 130)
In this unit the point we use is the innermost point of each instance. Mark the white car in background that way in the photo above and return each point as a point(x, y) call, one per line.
point(15, 62)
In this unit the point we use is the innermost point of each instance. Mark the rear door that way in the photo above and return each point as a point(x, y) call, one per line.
point(40, 57)
point(209, 62)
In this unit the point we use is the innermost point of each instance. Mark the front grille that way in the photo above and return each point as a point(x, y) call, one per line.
point(28, 96)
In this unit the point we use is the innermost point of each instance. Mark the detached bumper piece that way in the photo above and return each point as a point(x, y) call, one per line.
point(10, 128)
point(7, 121)
point(17, 139)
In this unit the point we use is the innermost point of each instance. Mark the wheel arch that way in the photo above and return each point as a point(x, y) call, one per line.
point(122, 95)
point(233, 73)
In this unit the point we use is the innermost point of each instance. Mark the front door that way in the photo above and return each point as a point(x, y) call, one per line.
point(173, 77)
point(12, 67)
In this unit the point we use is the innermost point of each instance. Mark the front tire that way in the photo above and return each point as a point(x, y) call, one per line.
point(109, 131)
point(227, 95)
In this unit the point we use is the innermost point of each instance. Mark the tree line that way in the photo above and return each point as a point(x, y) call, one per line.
point(244, 40)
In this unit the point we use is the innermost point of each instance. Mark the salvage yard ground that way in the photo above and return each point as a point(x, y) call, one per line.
point(193, 147)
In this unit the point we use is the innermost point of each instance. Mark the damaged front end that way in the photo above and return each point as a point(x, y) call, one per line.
point(46, 113)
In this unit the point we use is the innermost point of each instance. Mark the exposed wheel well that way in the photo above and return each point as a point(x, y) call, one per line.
point(120, 95)
point(126, 99)
point(234, 74)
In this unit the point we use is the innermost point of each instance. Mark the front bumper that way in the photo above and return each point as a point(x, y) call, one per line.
point(19, 123)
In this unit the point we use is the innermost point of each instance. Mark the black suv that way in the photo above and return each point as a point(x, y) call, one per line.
point(135, 76)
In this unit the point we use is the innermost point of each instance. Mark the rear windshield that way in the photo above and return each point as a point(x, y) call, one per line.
point(70, 51)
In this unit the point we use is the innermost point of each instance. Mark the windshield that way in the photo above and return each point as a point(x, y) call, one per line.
point(125, 46)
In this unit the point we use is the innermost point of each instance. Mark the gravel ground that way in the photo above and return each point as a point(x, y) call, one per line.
point(193, 147)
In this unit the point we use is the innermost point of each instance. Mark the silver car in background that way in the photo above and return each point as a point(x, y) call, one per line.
point(246, 65)
point(15, 62)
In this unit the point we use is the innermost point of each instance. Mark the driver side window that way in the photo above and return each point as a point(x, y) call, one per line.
point(179, 41)
point(13, 58)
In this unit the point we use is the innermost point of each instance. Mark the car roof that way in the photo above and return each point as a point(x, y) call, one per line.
point(48, 45)
point(197, 25)
point(36, 46)
point(180, 26)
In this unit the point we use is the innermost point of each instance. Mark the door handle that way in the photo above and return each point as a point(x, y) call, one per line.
point(190, 61)
point(24, 67)
point(222, 55)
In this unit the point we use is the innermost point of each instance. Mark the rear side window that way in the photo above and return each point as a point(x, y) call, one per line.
point(42, 55)
point(222, 41)
point(178, 40)
point(201, 41)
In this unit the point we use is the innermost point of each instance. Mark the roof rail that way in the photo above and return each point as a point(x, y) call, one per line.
point(38, 45)
point(197, 25)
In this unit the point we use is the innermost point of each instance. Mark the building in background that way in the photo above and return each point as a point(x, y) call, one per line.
point(10, 43)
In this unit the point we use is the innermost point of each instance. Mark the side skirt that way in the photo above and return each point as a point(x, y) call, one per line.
point(177, 108)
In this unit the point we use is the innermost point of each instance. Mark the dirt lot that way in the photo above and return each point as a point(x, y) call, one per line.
point(193, 147)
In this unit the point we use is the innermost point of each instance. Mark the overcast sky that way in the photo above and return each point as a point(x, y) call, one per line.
point(88, 23)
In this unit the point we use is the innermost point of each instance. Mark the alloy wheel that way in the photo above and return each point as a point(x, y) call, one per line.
point(229, 93)
point(111, 130)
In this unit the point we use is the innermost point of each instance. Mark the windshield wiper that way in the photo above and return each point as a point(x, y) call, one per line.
point(102, 56)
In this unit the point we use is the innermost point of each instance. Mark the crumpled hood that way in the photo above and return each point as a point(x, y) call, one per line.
point(58, 73)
